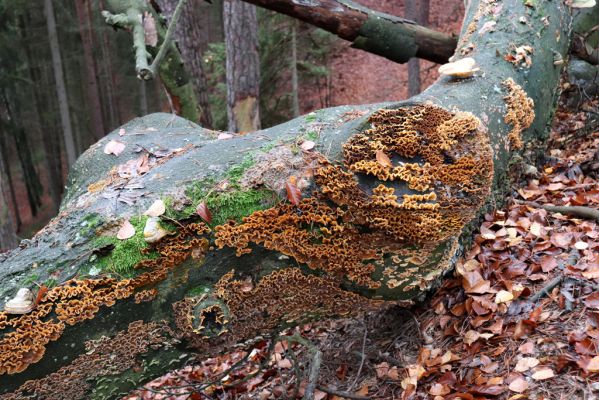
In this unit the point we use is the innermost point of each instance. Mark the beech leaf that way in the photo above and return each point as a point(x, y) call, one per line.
point(307, 145)
point(203, 211)
point(383, 159)
point(518, 385)
point(543, 373)
point(126, 231)
point(294, 195)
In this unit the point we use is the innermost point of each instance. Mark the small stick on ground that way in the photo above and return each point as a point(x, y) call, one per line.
point(339, 393)
point(547, 288)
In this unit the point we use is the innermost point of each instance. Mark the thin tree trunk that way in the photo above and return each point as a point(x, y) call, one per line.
point(8, 237)
point(190, 36)
point(416, 10)
point(110, 83)
point(8, 180)
point(32, 183)
point(243, 66)
point(44, 125)
point(92, 90)
point(294, 78)
point(61, 89)
point(143, 98)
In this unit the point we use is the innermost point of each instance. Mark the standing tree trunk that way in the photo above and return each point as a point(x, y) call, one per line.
point(416, 10)
point(110, 84)
point(8, 238)
point(243, 66)
point(294, 77)
point(294, 235)
point(190, 38)
point(61, 88)
point(50, 138)
point(92, 90)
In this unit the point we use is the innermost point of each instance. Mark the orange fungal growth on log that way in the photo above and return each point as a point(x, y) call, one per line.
point(285, 295)
point(103, 357)
point(77, 300)
point(520, 112)
point(347, 227)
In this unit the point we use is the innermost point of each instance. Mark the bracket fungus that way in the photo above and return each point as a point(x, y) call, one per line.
point(463, 68)
point(22, 303)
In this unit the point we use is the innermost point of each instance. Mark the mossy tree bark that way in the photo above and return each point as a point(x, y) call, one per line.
point(118, 312)
point(386, 35)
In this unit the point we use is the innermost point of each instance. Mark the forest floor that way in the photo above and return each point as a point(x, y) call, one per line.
point(518, 319)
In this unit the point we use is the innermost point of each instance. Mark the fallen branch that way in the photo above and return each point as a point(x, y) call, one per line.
point(547, 288)
point(576, 211)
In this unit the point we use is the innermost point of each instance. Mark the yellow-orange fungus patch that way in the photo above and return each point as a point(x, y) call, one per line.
point(285, 295)
point(24, 338)
point(520, 112)
point(105, 356)
point(441, 164)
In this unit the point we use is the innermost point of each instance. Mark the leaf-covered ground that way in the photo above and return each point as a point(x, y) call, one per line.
point(519, 319)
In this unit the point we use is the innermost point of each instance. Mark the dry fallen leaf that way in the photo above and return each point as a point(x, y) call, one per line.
point(114, 147)
point(518, 385)
point(126, 231)
point(543, 373)
point(294, 195)
point(471, 337)
point(592, 300)
point(526, 363)
point(503, 296)
point(383, 159)
point(203, 211)
point(156, 209)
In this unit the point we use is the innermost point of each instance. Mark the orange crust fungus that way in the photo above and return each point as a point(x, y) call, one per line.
point(24, 338)
point(520, 112)
point(285, 295)
point(105, 356)
point(441, 163)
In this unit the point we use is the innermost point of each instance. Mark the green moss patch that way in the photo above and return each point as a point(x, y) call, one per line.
point(126, 253)
point(232, 203)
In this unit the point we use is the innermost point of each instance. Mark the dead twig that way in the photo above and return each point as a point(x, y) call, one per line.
point(341, 394)
point(575, 211)
point(547, 288)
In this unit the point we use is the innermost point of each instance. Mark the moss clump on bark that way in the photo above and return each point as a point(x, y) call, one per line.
point(126, 253)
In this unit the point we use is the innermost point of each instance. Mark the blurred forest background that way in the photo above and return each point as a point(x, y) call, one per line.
point(62, 51)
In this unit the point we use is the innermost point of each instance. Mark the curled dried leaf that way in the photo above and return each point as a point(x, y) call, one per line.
point(294, 195)
point(203, 211)
point(114, 147)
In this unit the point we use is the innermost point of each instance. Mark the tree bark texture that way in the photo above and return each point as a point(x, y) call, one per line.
point(8, 237)
point(61, 89)
point(416, 10)
point(191, 41)
point(92, 90)
point(375, 214)
point(394, 38)
point(242, 66)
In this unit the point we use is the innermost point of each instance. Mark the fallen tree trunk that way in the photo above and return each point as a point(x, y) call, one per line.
point(373, 215)
point(386, 35)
